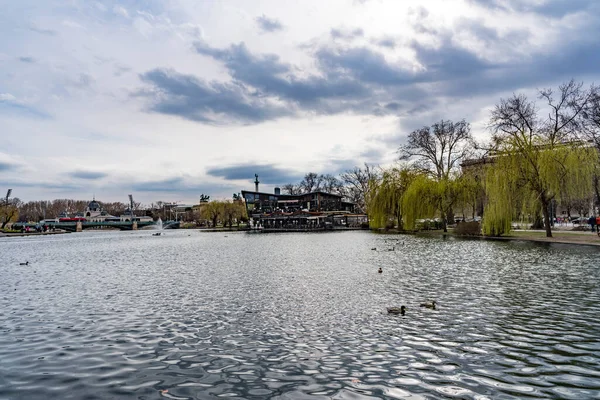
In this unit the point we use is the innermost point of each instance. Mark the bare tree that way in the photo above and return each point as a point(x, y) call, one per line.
point(438, 149)
point(331, 184)
point(519, 131)
point(290, 188)
point(356, 182)
point(311, 182)
point(567, 110)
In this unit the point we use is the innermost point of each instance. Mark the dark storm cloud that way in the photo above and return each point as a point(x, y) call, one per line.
point(198, 100)
point(561, 8)
point(47, 32)
point(362, 65)
point(372, 154)
point(7, 166)
point(89, 175)
point(266, 24)
point(272, 77)
point(346, 34)
point(448, 62)
point(550, 8)
point(360, 79)
point(267, 173)
point(40, 185)
point(27, 59)
point(386, 42)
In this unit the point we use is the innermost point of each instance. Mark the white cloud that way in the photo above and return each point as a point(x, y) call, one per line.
point(120, 11)
point(7, 97)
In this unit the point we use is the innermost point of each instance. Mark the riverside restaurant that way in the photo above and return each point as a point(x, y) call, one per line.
point(314, 211)
point(303, 221)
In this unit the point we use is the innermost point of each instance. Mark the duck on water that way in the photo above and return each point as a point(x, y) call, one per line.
point(397, 310)
point(429, 305)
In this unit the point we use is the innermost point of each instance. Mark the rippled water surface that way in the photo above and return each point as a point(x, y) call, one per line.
point(197, 315)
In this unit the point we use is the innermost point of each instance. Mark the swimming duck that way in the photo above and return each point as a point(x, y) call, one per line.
point(396, 310)
point(25, 263)
point(380, 270)
point(429, 305)
point(374, 248)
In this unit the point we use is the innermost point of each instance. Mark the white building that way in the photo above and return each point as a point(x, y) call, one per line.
point(95, 213)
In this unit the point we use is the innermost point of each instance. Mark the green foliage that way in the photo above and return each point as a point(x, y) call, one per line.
point(385, 200)
point(419, 200)
point(212, 211)
point(470, 191)
point(8, 213)
point(499, 209)
point(524, 178)
point(427, 195)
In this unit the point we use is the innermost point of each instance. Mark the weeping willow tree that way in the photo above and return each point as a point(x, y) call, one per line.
point(418, 201)
point(385, 200)
point(437, 152)
point(535, 161)
point(428, 196)
point(532, 179)
point(471, 193)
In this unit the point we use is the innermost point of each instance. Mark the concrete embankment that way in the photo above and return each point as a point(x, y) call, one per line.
point(16, 234)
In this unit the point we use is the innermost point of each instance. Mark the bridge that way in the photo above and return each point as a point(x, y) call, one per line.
point(124, 226)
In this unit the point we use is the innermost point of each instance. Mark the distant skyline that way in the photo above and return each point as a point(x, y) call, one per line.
point(171, 99)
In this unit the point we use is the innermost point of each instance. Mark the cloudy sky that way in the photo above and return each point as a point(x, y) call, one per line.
point(171, 99)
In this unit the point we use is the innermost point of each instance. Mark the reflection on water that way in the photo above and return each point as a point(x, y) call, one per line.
point(295, 316)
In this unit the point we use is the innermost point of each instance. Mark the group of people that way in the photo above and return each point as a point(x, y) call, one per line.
point(38, 228)
point(594, 222)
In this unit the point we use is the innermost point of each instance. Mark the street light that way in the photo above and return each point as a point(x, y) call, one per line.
point(131, 208)
point(8, 193)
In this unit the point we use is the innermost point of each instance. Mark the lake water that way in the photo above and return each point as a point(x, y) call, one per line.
point(198, 315)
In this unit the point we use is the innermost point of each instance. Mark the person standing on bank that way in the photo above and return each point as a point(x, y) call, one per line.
point(592, 222)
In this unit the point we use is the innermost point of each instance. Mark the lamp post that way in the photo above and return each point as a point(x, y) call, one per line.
point(8, 193)
point(131, 208)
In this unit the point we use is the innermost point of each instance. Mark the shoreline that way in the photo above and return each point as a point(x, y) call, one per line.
point(581, 238)
point(19, 234)
point(559, 237)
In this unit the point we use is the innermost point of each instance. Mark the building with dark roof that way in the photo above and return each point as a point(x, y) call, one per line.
point(300, 212)
point(318, 201)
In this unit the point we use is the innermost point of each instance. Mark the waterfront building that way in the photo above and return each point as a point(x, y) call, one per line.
point(317, 201)
point(307, 211)
point(95, 213)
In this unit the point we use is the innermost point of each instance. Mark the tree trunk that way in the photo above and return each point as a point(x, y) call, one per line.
point(545, 204)
point(597, 191)
point(400, 226)
point(444, 216)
